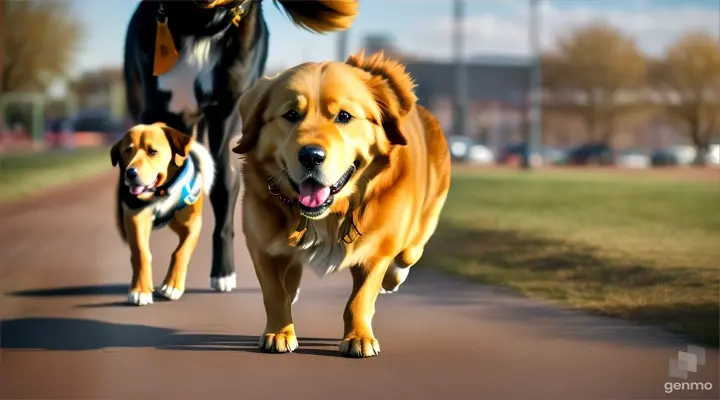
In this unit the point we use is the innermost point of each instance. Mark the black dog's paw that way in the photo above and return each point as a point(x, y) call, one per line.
point(224, 283)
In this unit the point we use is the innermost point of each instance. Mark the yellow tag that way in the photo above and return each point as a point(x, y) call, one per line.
point(238, 13)
point(300, 230)
point(166, 55)
point(348, 232)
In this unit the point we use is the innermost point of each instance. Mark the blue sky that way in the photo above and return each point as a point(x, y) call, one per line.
point(494, 27)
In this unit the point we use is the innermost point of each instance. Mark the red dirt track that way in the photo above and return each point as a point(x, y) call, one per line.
point(67, 334)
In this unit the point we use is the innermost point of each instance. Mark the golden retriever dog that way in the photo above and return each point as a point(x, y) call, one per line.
point(164, 178)
point(341, 169)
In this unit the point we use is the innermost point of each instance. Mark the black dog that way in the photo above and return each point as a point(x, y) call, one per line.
point(188, 62)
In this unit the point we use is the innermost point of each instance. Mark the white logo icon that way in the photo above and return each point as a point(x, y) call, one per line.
point(687, 361)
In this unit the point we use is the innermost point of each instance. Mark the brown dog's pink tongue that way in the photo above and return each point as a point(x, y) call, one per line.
point(312, 194)
point(137, 190)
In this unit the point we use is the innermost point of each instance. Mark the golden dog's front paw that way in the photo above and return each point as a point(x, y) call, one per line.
point(359, 346)
point(285, 342)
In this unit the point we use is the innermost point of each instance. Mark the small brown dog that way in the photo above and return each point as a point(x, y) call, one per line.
point(342, 169)
point(164, 176)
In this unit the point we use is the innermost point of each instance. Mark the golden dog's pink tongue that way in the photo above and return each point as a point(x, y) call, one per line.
point(313, 194)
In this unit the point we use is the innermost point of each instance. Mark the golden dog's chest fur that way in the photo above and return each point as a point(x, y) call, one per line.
point(377, 222)
point(318, 249)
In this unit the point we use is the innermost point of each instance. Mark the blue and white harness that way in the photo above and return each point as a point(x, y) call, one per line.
point(188, 180)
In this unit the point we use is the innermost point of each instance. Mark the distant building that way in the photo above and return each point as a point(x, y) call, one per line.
point(497, 96)
point(376, 42)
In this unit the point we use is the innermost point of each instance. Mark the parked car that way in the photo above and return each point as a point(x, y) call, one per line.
point(684, 155)
point(592, 153)
point(633, 159)
point(481, 155)
point(96, 121)
point(712, 158)
point(513, 153)
point(459, 147)
point(466, 149)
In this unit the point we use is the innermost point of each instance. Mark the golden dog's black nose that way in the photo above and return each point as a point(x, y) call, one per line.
point(131, 173)
point(311, 156)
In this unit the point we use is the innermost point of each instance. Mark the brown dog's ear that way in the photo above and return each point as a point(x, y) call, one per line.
point(179, 142)
point(252, 105)
point(115, 153)
point(392, 88)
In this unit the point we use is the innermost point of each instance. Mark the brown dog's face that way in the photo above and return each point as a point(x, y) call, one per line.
point(148, 155)
point(315, 127)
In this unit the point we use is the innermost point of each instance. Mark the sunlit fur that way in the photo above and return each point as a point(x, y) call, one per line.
point(390, 206)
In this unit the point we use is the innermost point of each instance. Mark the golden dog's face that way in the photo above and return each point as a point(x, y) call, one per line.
point(147, 156)
point(315, 127)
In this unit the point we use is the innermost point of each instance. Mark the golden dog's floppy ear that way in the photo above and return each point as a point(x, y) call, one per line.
point(115, 153)
point(252, 105)
point(179, 142)
point(392, 88)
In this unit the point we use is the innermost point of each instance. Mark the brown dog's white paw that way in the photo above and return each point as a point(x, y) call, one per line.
point(140, 298)
point(224, 283)
point(359, 347)
point(171, 293)
point(278, 342)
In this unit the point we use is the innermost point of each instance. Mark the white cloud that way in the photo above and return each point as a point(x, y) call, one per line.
point(489, 33)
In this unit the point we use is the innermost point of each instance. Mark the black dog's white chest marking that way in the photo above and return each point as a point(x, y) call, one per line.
point(198, 58)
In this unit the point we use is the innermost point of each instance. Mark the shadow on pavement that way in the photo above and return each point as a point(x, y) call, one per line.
point(115, 289)
point(71, 334)
point(530, 315)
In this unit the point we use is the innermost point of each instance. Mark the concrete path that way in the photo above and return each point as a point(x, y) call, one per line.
point(66, 332)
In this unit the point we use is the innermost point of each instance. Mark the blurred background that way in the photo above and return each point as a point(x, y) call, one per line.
point(633, 83)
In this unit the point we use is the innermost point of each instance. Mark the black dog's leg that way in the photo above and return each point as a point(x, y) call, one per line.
point(223, 197)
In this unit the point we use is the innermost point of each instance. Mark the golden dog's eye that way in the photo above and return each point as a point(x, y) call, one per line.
point(152, 152)
point(292, 116)
point(343, 117)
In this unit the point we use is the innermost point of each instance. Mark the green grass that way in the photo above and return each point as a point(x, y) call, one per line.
point(21, 175)
point(643, 249)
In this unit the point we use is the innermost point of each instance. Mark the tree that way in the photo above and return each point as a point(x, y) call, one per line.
point(39, 42)
point(689, 78)
point(590, 71)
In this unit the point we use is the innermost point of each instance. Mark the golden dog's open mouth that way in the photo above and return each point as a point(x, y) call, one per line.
point(314, 198)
